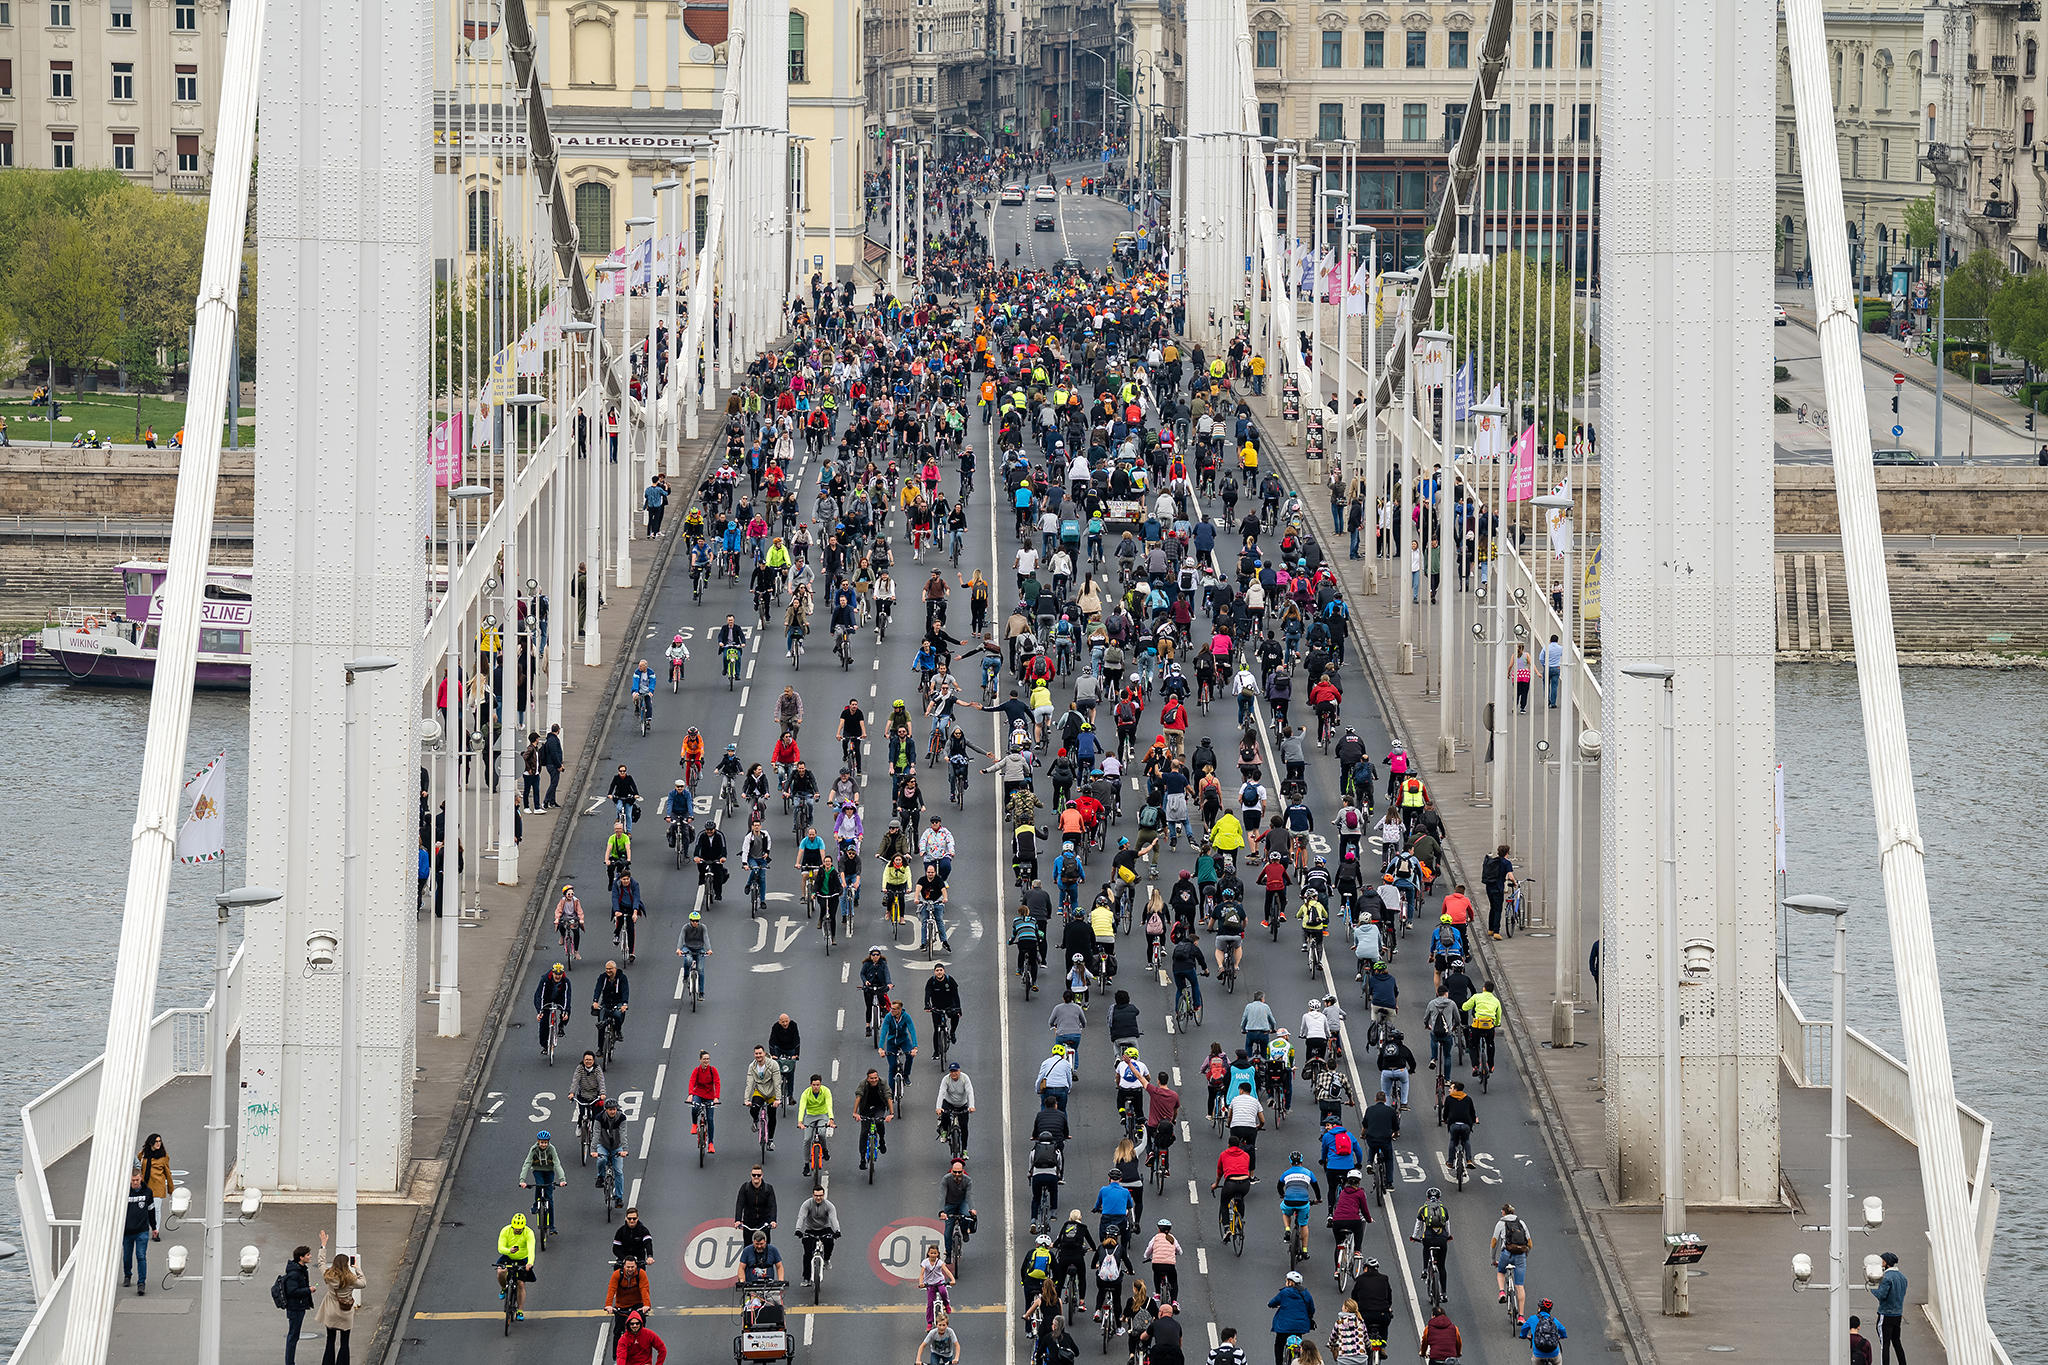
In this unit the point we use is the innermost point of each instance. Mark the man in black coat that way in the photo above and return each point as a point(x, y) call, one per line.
point(551, 759)
point(298, 1300)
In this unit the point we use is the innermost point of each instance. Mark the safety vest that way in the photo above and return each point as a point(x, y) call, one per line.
point(1411, 792)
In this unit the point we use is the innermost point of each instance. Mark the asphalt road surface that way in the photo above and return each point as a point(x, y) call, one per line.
point(870, 1302)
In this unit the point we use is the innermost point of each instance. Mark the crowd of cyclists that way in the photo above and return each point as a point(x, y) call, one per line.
point(1161, 576)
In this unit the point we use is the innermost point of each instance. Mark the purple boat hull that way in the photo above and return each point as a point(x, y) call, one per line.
point(128, 671)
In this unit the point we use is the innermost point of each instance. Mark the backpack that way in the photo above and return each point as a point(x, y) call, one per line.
point(1340, 1143)
point(1045, 1156)
point(1248, 795)
point(1515, 1234)
point(1543, 1336)
point(1069, 870)
point(1230, 920)
point(1041, 1262)
point(277, 1295)
point(1214, 1070)
point(1436, 1218)
point(1390, 1056)
point(1148, 816)
point(1107, 1268)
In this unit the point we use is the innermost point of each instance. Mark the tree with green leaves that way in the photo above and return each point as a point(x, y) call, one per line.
point(152, 245)
point(61, 297)
point(1970, 287)
point(1525, 319)
point(2019, 318)
point(1921, 229)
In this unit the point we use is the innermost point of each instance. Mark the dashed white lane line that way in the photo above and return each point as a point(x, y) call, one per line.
point(842, 1021)
point(633, 1194)
point(660, 1075)
point(835, 1071)
point(647, 1137)
point(668, 1039)
point(743, 696)
point(1202, 1259)
point(1193, 1198)
point(738, 721)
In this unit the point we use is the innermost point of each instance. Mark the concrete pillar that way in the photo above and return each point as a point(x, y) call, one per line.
point(1686, 247)
point(342, 228)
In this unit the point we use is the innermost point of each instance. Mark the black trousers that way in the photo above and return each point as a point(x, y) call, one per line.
point(1888, 1333)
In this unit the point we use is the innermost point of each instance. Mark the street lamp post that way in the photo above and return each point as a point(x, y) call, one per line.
point(923, 145)
point(1838, 1124)
point(1368, 327)
point(580, 334)
point(1567, 976)
point(448, 1021)
point(832, 212)
point(345, 1237)
point(1671, 1161)
point(241, 898)
point(673, 464)
point(1406, 527)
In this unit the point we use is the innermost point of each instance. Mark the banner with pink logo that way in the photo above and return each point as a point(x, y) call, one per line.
point(448, 453)
point(1522, 479)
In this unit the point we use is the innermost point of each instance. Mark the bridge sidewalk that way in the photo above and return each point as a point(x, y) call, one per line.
point(165, 1323)
point(1744, 1299)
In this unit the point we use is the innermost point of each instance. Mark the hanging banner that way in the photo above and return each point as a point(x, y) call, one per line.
point(203, 838)
point(1358, 295)
point(1432, 363)
point(1589, 591)
point(448, 453)
point(1490, 442)
point(1461, 393)
point(502, 385)
point(640, 270)
point(1560, 518)
point(1522, 478)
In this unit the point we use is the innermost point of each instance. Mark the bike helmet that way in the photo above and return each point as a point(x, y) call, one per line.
point(1354, 1178)
point(1044, 1240)
point(1433, 1193)
point(1077, 957)
point(1372, 1263)
point(1322, 862)
point(1396, 1034)
point(1544, 1306)
point(696, 915)
point(1445, 919)
point(1060, 1050)
point(1130, 1052)
point(518, 1220)
point(875, 951)
point(541, 1136)
point(1386, 876)
point(678, 640)
point(556, 968)
point(679, 783)
point(1294, 1157)
point(1279, 1033)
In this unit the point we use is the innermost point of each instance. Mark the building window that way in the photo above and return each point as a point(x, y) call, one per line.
point(124, 81)
point(6, 147)
point(1585, 133)
point(1372, 124)
point(1418, 47)
point(1329, 122)
point(187, 78)
point(60, 80)
point(1543, 48)
point(6, 14)
point(594, 219)
point(60, 13)
point(124, 151)
point(798, 50)
point(1375, 48)
point(1375, 191)
point(1934, 56)
point(6, 76)
point(1269, 120)
point(1412, 184)
point(1269, 48)
point(1414, 122)
point(2033, 55)
point(121, 14)
point(186, 18)
point(188, 152)
point(1539, 126)
point(1930, 123)
point(1454, 121)
point(1460, 41)
point(1333, 48)
point(60, 152)
point(480, 220)
point(1855, 157)
point(2026, 135)
point(1884, 87)
point(1585, 49)
point(1838, 80)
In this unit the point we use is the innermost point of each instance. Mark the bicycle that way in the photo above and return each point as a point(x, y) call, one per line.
point(729, 795)
point(1433, 1275)
point(1350, 1265)
point(941, 1027)
point(693, 980)
point(1297, 1236)
point(1159, 1159)
point(815, 1268)
point(608, 1025)
point(606, 1164)
point(843, 647)
point(757, 889)
point(761, 1108)
point(551, 1031)
point(583, 1112)
point(675, 675)
point(956, 1141)
point(1511, 909)
point(1313, 946)
point(643, 709)
point(541, 1217)
point(1231, 1223)
point(814, 1150)
point(871, 1145)
point(700, 1120)
point(512, 1289)
point(1460, 1163)
point(957, 783)
point(1184, 1013)
point(730, 666)
point(1131, 1113)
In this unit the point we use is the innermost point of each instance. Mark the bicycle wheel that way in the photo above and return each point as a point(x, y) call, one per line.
point(703, 1137)
point(515, 1295)
point(1236, 1237)
point(817, 1269)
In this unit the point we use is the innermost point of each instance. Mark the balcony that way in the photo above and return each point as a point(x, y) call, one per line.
point(2004, 66)
point(1998, 209)
point(188, 182)
point(2029, 11)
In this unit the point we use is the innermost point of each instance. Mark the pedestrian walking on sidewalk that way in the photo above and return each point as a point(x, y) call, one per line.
point(1890, 1293)
point(337, 1312)
point(155, 1164)
point(137, 1232)
point(551, 761)
point(297, 1300)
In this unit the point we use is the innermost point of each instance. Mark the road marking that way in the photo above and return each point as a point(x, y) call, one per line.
point(1170, 1029)
point(871, 688)
point(1002, 982)
point(633, 1194)
point(668, 1039)
point(1214, 1341)
point(597, 1351)
point(737, 721)
point(1193, 1198)
point(743, 696)
point(750, 668)
point(842, 1021)
point(835, 1070)
point(1185, 1135)
point(1202, 1259)
point(845, 969)
point(647, 1136)
point(682, 979)
point(722, 1310)
point(660, 1075)
point(1176, 1083)
point(810, 1327)
point(595, 804)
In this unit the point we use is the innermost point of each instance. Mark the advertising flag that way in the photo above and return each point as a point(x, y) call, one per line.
point(1491, 440)
point(448, 453)
point(203, 838)
point(1461, 393)
point(1522, 479)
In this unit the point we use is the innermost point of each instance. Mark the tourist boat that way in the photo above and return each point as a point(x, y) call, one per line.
point(119, 646)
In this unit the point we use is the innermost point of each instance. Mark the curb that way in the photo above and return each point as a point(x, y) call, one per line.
point(1635, 1344)
point(491, 1034)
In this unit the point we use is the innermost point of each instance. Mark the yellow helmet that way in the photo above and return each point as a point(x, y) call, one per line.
point(518, 1220)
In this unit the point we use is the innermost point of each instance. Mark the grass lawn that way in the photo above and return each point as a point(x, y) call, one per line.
point(110, 414)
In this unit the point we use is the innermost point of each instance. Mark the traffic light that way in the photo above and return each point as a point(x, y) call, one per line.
point(1895, 400)
point(2030, 419)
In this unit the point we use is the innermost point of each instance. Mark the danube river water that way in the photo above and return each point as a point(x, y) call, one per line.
point(1980, 767)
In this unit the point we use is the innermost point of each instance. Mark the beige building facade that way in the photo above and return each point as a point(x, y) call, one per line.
point(131, 84)
point(1983, 85)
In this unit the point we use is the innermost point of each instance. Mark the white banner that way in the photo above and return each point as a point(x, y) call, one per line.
point(1491, 440)
point(203, 838)
point(1432, 362)
point(1561, 521)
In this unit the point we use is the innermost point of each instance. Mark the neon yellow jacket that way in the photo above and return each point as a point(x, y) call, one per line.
point(814, 1102)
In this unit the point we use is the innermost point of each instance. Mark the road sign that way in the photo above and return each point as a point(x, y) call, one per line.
point(895, 1251)
point(1684, 1248)
point(1898, 430)
point(711, 1254)
point(1898, 379)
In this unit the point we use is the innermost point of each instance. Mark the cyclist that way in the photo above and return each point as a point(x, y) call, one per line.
point(1350, 1208)
point(955, 1198)
point(1233, 1177)
point(896, 1039)
point(1294, 1317)
point(813, 1104)
point(1131, 1075)
point(678, 655)
point(569, 923)
point(608, 1140)
point(626, 1296)
point(1544, 1332)
point(515, 1255)
point(1298, 1189)
point(696, 941)
point(1381, 1124)
point(639, 1345)
point(1028, 934)
point(761, 1263)
point(874, 985)
point(642, 687)
point(1441, 1340)
point(703, 1095)
point(1510, 1246)
point(1315, 924)
point(551, 993)
point(634, 1239)
point(942, 1002)
point(691, 756)
point(1461, 1116)
point(873, 1106)
point(1373, 1292)
point(817, 1224)
point(680, 807)
point(618, 849)
point(853, 728)
point(1445, 943)
point(610, 997)
point(729, 767)
point(810, 858)
point(586, 1086)
point(1339, 1153)
point(1433, 1230)
point(1396, 1064)
point(542, 1171)
point(763, 1090)
point(1484, 1007)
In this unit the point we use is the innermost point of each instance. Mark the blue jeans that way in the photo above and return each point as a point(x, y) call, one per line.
point(936, 911)
point(1194, 984)
point(294, 1320)
point(617, 1164)
point(1415, 585)
point(1354, 542)
point(1440, 1049)
point(1550, 673)
point(700, 1112)
point(135, 1251)
point(899, 1059)
point(1255, 1041)
point(1395, 1083)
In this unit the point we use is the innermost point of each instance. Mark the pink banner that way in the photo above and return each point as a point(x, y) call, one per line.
point(1522, 479)
point(448, 453)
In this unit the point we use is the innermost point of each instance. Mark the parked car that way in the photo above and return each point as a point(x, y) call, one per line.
point(1777, 315)
point(1898, 455)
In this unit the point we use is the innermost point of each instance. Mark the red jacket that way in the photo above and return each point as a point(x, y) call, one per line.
point(641, 1348)
point(1234, 1161)
point(1440, 1339)
point(704, 1083)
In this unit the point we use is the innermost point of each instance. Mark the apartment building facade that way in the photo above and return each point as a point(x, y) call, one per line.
point(131, 84)
point(1873, 64)
point(1380, 96)
point(1982, 83)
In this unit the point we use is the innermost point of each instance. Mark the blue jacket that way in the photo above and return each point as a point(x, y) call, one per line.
point(1385, 993)
point(898, 1033)
point(1112, 1201)
point(1294, 1311)
point(1890, 1293)
point(1528, 1329)
point(1338, 1161)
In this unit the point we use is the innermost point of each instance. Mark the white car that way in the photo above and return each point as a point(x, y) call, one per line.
point(1013, 194)
point(1047, 192)
point(1777, 315)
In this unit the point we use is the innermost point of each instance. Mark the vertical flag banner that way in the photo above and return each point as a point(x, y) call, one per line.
point(501, 386)
point(1461, 397)
point(1560, 518)
point(1490, 442)
point(1522, 479)
point(203, 838)
point(448, 453)
point(1432, 363)
point(1358, 295)
point(1589, 590)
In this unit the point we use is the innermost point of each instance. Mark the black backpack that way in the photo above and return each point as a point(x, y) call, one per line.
point(277, 1292)
point(1543, 1336)
point(1515, 1234)
point(1045, 1156)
